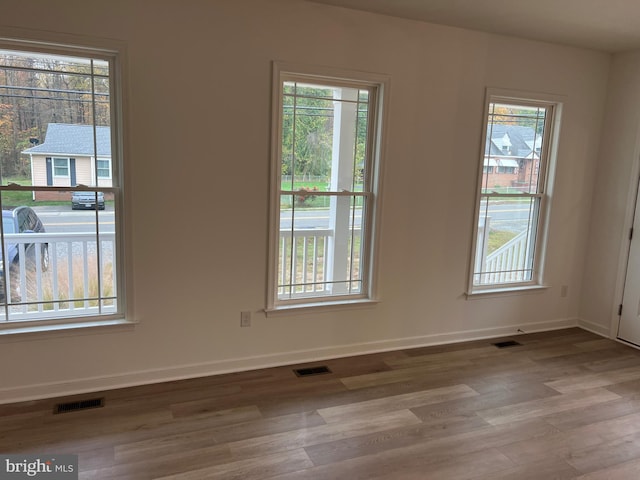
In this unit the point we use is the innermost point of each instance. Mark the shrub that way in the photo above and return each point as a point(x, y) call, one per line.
point(302, 199)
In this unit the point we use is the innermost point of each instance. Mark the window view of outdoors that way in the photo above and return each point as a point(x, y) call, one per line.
point(510, 197)
point(57, 188)
point(325, 190)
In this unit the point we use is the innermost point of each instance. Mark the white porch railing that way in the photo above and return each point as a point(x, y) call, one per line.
point(303, 268)
point(77, 282)
point(302, 271)
point(507, 263)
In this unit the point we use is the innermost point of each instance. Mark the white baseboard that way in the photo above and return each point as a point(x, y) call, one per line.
point(595, 328)
point(95, 384)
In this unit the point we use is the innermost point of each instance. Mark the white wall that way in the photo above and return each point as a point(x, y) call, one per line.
point(198, 126)
point(614, 196)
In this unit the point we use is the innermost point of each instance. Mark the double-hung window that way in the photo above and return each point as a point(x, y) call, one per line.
point(61, 167)
point(325, 187)
point(59, 136)
point(519, 135)
point(103, 166)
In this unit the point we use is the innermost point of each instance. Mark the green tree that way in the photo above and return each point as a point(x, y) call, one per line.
point(307, 132)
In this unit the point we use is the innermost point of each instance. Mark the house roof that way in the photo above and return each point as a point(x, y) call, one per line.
point(512, 140)
point(500, 162)
point(67, 139)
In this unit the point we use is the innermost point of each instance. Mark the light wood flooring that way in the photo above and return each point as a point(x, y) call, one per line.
point(564, 404)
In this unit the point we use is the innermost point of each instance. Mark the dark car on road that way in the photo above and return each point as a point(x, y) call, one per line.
point(87, 200)
point(21, 220)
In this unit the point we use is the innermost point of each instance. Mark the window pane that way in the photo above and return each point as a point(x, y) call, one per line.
point(346, 245)
point(103, 168)
point(61, 167)
point(55, 265)
point(513, 148)
point(287, 144)
point(59, 245)
point(312, 150)
point(362, 129)
point(106, 259)
point(37, 91)
point(321, 251)
point(324, 138)
point(302, 251)
point(506, 239)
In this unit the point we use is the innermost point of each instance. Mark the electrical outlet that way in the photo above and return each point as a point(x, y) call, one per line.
point(564, 290)
point(245, 319)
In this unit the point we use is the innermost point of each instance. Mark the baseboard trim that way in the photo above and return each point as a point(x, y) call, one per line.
point(95, 384)
point(594, 328)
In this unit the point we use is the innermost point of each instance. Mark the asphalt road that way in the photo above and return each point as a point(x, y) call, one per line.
point(62, 220)
point(505, 216)
point(509, 216)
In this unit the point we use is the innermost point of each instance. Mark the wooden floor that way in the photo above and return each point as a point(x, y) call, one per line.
point(564, 404)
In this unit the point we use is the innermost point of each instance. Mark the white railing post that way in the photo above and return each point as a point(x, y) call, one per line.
point(506, 264)
point(481, 248)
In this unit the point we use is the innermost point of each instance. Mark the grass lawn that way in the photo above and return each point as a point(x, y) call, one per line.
point(15, 199)
point(497, 238)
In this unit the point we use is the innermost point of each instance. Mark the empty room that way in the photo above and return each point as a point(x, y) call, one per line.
point(329, 239)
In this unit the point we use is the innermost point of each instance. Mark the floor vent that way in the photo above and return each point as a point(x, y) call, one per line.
point(508, 343)
point(81, 405)
point(306, 372)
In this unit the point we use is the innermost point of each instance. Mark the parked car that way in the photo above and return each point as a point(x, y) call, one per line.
point(87, 200)
point(21, 220)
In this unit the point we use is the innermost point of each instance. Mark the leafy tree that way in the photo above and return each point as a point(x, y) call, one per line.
point(525, 117)
point(307, 132)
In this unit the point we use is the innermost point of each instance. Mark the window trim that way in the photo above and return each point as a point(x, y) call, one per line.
point(547, 171)
point(340, 77)
point(115, 54)
point(103, 159)
point(68, 167)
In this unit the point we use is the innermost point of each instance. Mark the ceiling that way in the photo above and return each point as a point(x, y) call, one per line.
point(607, 25)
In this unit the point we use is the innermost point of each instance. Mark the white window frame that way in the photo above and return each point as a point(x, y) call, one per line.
point(548, 159)
point(113, 53)
point(67, 166)
point(103, 159)
point(335, 77)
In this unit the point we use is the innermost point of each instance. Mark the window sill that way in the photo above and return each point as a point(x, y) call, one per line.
point(47, 330)
point(319, 307)
point(500, 292)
